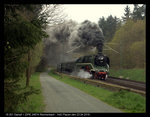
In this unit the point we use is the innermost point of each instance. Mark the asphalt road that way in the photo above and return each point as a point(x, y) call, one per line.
point(61, 97)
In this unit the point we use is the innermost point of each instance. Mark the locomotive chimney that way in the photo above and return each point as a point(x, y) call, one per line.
point(100, 47)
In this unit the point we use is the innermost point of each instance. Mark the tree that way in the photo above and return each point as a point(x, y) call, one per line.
point(22, 31)
point(103, 25)
point(137, 50)
point(33, 57)
point(127, 13)
point(109, 26)
point(52, 14)
point(130, 42)
point(138, 12)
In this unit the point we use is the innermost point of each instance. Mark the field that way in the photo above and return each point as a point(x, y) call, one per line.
point(131, 74)
point(35, 102)
point(124, 100)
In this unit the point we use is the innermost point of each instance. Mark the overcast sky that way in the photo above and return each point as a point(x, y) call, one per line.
point(93, 12)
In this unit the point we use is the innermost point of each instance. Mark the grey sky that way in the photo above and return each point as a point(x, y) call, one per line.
point(92, 12)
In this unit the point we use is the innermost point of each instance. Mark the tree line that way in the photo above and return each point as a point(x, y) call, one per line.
point(110, 24)
point(126, 36)
point(24, 31)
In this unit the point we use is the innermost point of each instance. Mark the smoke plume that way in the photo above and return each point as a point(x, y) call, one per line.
point(91, 35)
point(70, 40)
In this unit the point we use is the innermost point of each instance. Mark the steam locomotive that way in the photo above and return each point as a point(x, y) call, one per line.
point(97, 65)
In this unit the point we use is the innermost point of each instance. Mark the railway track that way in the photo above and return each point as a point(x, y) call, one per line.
point(137, 85)
point(128, 83)
point(131, 85)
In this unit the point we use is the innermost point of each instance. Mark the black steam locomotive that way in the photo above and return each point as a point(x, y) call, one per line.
point(97, 65)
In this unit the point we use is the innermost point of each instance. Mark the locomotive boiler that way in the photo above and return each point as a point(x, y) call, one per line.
point(97, 65)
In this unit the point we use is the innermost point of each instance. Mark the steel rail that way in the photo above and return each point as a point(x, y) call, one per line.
point(115, 83)
point(128, 83)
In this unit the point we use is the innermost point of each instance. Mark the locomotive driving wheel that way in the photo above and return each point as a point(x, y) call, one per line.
point(106, 76)
point(94, 75)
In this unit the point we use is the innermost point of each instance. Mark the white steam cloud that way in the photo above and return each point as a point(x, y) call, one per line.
point(84, 74)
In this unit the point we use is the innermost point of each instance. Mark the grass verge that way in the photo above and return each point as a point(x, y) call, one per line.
point(131, 74)
point(34, 102)
point(124, 100)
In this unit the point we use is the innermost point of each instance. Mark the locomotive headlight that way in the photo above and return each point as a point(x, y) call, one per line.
point(101, 58)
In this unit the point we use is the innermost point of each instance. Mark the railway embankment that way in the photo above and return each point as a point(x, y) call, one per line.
point(123, 99)
point(119, 84)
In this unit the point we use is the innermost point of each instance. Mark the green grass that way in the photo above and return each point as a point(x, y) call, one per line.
point(35, 101)
point(128, 101)
point(132, 74)
point(124, 100)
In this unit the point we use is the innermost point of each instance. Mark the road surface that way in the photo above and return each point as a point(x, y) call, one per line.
point(61, 97)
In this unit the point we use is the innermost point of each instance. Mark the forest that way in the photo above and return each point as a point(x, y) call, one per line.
point(38, 36)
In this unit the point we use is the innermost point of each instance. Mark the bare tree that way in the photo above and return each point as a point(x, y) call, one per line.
point(53, 13)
